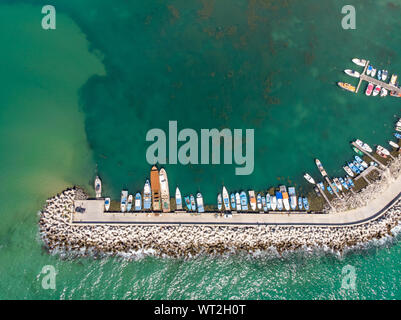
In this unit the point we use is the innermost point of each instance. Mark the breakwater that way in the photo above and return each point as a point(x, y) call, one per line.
point(60, 235)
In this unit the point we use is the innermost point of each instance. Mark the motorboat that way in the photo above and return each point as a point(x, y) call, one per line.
point(357, 151)
point(293, 198)
point(369, 89)
point(219, 202)
point(268, 201)
point(147, 196)
point(320, 167)
point(264, 204)
point(279, 198)
point(138, 202)
point(377, 90)
point(354, 168)
point(193, 204)
point(244, 201)
point(379, 74)
point(238, 201)
point(348, 171)
point(199, 202)
point(308, 178)
point(273, 203)
point(350, 182)
point(164, 189)
point(338, 184)
point(369, 70)
point(300, 200)
point(363, 163)
point(346, 86)
point(226, 200)
point(129, 202)
point(384, 92)
point(98, 187)
point(317, 193)
point(233, 202)
point(344, 184)
point(395, 94)
point(187, 201)
point(393, 144)
point(259, 201)
point(330, 190)
point(383, 152)
point(393, 79)
point(384, 75)
point(107, 204)
point(352, 73)
point(286, 201)
point(305, 203)
point(363, 145)
point(178, 199)
point(359, 62)
point(252, 199)
point(123, 202)
point(373, 73)
point(397, 135)
point(321, 185)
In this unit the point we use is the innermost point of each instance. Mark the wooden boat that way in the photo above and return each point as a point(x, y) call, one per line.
point(155, 185)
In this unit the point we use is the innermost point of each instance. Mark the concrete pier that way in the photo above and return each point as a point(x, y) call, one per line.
point(381, 165)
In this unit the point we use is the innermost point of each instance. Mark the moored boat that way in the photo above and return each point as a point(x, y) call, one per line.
point(338, 184)
point(244, 201)
point(346, 86)
point(259, 201)
point(308, 178)
point(393, 144)
point(373, 73)
point(395, 94)
point(238, 201)
point(363, 163)
point(219, 202)
point(279, 198)
point(178, 199)
point(129, 202)
point(348, 171)
point(199, 202)
point(123, 202)
point(397, 135)
point(300, 200)
point(352, 73)
point(384, 92)
point(377, 90)
point(330, 190)
point(344, 184)
point(379, 74)
point(155, 185)
point(363, 145)
point(138, 202)
point(107, 204)
point(268, 201)
point(384, 75)
point(350, 182)
point(98, 187)
point(369, 70)
point(264, 204)
point(293, 198)
point(193, 204)
point(187, 201)
point(320, 167)
point(252, 199)
point(226, 199)
point(359, 62)
point(305, 203)
point(273, 203)
point(383, 152)
point(369, 89)
point(393, 79)
point(357, 151)
point(233, 203)
point(164, 190)
point(147, 196)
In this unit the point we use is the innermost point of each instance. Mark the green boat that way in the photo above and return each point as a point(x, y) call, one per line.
point(357, 151)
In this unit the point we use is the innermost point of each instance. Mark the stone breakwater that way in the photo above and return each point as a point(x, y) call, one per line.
point(59, 235)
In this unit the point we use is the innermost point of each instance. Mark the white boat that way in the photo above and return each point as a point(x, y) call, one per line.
point(338, 183)
point(293, 198)
point(373, 73)
point(199, 202)
point(129, 202)
point(226, 199)
point(273, 202)
point(164, 190)
point(369, 70)
point(398, 129)
point(147, 196)
point(348, 171)
point(286, 199)
point(383, 150)
point(320, 167)
point(252, 199)
point(369, 89)
point(393, 79)
point(384, 75)
point(178, 199)
point(384, 92)
point(363, 145)
point(123, 203)
point(308, 178)
point(352, 73)
point(393, 144)
point(359, 62)
point(238, 201)
point(98, 187)
point(376, 91)
point(107, 204)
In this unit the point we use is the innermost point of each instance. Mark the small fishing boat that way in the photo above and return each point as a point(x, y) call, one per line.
point(238, 201)
point(244, 201)
point(187, 201)
point(268, 201)
point(369, 70)
point(129, 202)
point(338, 184)
point(138, 202)
point(252, 199)
point(346, 86)
point(226, 200)
point(286, 198)
point(147, 196)
point(233, 202)
point(398, 129)
point(320, 167)
point(317, 193)
point(384, 75)
point(279, 198)
point(155, 183)
point(372, 163)
point(363, 163)
point(300, 199)
point(352, 73)
point(259, 201)
point(264, 204)
point(219, 202)
point(330, 190)
point(98, 187)
point(393, 79)
point(293, 198)
point(344, 184)
point(395, 94)
point(107, 204)
point(273, 203)
point(164, 189)
point(383, 152)
point(123, 203)
point(379, 74)
point(363, 145)
point(178, 199)
point(354, 168)
point(308, 178)
point(369, 89)
point(350, 182)
point(359, 62)
point(384, 92)
point(306, 203)
point(393, 144)
point(199, 202)
point(373, 73)
point(321, 185)
point(348, 171)
point(193, 204)
point(377, 90)
point(356, 150)
point(397, 135)
point(358, 165)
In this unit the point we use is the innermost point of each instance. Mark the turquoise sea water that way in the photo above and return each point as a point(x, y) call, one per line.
point(87, 93)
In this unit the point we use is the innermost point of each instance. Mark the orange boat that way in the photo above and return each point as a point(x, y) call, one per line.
point(155, 185)
point(395, 94)
point(346, 86)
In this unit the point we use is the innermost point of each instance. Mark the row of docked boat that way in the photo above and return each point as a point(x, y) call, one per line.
point(281, 200)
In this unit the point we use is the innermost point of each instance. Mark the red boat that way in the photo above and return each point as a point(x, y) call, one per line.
point(369, 89)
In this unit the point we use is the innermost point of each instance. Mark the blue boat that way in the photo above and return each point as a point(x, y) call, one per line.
point(259, 201)
point(306, 203)
point(397, 135)
point(244, 201)
point(138, 202)
point(329, 190)
point(344, 184)
point(379, 74)
point(353, 168)
point(279, 197)
point(300, 203)
point(268, 201)
point(264, 204)
point(187, 201)
point(232, 198)
point(350, 182)
point(199, 201)
point(193, 204)
point(358, 165)
point(219, 202)
point(321, 185)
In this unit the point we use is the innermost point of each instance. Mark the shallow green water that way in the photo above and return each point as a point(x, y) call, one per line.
point(88, 92)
